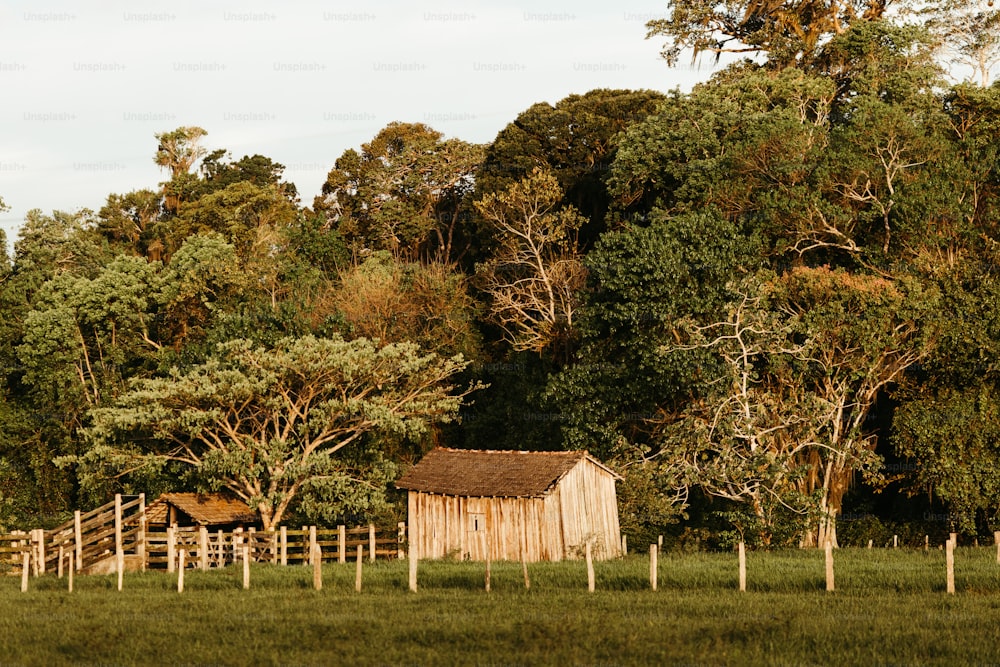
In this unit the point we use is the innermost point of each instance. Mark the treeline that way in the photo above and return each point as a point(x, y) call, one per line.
point(767, 303)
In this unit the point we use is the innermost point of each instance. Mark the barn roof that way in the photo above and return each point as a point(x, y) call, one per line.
point(206, 509)
point(491, 473)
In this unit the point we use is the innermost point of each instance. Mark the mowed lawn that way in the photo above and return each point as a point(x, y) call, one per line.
point(890, 607)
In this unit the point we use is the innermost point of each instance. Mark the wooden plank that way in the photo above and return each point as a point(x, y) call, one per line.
point(203, 548)
point(653, 569)
point(590, 569)
point(828, 549)
point(357, 570)
point(317, 563)
point(171, 546)
point(950, 566)
point(743, 566)
point(413, 567)
point(140, 549)
point(120, 568)
point(25, 570)
point(119, 547)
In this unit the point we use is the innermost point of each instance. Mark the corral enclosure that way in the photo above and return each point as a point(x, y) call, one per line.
point(511, 505)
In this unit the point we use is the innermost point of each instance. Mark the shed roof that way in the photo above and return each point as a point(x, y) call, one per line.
point(207, 509)
point(492, 473)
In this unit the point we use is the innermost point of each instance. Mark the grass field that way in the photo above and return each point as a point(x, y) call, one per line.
point(890, 607)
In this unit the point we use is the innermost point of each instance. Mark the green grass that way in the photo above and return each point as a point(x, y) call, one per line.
point(889, 608)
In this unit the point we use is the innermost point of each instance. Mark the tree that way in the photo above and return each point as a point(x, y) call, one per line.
point(951, 437)
point(4, 257)
point(744, 435)
point(178, 150)
point(576, 140)
point(969, 34)
point(131, 220)
point(788, 33)
point(251, 217)
point(261, 171)
point(263, 422)
point(535, 275)
point(391, 301)
point(404, 192)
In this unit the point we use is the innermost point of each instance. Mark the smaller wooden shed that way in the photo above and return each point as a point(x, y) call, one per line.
point(535, 506)
point(212, 510)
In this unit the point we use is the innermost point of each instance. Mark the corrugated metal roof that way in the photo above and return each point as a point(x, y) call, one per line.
point(489, 473)
point(206, 509)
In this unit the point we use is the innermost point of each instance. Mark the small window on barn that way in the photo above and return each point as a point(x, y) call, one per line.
point(477, 522)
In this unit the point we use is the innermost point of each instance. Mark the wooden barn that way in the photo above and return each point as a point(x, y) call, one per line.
point(539, 506)
point(212, 510)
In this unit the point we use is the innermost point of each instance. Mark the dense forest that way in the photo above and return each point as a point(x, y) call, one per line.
point(772, 304)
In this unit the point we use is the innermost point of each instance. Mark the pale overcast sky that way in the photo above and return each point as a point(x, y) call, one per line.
point(85, 85)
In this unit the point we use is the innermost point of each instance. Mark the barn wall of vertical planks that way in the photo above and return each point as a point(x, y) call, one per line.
point(530, 506)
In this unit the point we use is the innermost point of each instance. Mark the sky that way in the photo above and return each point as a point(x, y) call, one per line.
point(85, 86)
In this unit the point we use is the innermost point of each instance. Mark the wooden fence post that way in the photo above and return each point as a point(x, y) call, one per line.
point(371, 542)
point(829, 565)
point(895, 541)
point(203, 548)
point(743, 566)
point(590, 569)
point(180, 571)
point(659, 543)
point(222, 549)
point(69, 576)
point(140, 538)
point(119, 547)
point(489, 562)
point(120, 567)
point(237, 544)
point(284, 545)
point(38, 545)
point(653, 570)
point(25, 570)
point(412, 553)
point(317, 563)
point(171, 549)
point(59, 565)
point(927, 542)
point(342, 543)
point(357, 570)
point(246, 567)
point(624, 545)
point(401, 539)
point(950, 564)
point(871, 543)
point(996, 538)
point(78, 539)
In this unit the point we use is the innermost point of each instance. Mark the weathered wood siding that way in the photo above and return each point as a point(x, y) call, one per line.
point(583, 505)
point(587, 507)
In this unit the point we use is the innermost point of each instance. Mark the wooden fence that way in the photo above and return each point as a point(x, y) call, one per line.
point(117, 533)
point(207, 549)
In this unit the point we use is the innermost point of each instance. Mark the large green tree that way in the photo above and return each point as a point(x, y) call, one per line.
point(403, 192)
point(264, 422)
